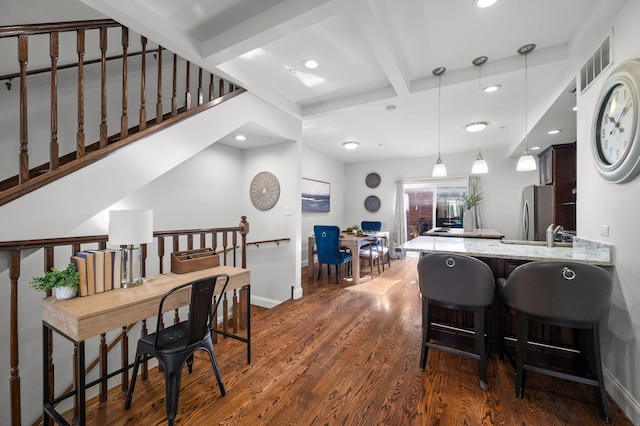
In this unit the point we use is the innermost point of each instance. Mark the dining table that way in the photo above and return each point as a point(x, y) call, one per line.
point(351, 241)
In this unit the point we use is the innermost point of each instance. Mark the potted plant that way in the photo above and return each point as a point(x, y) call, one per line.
point(469, 201)
point(64, 283)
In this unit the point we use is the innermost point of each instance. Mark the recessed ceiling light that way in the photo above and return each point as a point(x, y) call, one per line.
point(554, 132)
point(535, 148)
point(350, 144)
point(575, 108)
point(476, 126)
point(241, 138)
point(493, 88)
point(311, 64)
point(485, 3)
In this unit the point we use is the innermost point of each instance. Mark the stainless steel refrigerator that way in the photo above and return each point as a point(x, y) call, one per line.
point(537, 211)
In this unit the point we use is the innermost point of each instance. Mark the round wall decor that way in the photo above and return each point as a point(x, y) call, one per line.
point(264, 190)
point(615, 138)
point(373, 180)
point(372, 203)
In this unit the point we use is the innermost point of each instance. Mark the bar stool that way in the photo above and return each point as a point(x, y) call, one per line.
point(459, 282)
point(567, 294)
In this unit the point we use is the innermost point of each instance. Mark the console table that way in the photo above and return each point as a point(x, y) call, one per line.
point(81, 318)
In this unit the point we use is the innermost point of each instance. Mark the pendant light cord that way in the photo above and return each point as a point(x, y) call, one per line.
point(439, 76)
point(526, 104)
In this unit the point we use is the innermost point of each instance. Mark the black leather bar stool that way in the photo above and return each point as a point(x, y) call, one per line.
point(458, 282)
point(566, 294)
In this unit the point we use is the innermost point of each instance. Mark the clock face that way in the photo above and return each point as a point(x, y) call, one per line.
point(616, 124)
point(615, 140)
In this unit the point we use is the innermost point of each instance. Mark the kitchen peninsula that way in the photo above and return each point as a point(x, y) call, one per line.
point(582, 250)
point(503, 256)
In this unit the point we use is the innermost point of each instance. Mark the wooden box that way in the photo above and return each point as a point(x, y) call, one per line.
point(193, 260)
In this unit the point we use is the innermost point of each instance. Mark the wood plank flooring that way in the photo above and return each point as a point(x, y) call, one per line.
point(348, 355)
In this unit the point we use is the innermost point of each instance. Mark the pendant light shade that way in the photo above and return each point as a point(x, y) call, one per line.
point(479, 166)
point(526, 162)
point(439, 170)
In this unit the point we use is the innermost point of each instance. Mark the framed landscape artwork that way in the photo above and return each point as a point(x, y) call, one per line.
point(316, 195)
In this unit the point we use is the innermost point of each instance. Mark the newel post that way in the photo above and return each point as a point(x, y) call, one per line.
point(245, 230)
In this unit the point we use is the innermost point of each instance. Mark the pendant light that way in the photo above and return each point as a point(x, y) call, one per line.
point(439, 170)
point(479, 166)
point(526, 162)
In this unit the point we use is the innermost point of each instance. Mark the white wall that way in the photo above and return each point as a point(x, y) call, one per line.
point(277, 266)
point(320, 167)
point(502, 188)
point(615, 205)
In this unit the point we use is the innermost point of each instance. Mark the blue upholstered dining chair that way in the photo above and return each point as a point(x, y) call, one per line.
point(371, 226)
point(328, 247)
point(376, 226)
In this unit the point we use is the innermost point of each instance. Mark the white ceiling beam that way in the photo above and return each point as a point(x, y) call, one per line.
point(259, 88)
point(286, 17)
point(375, 26)
point(150, 24)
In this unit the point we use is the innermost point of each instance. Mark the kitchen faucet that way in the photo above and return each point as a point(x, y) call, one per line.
point(551, 234)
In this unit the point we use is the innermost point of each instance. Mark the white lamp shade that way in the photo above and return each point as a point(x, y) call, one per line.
point(526, 163)
point(479, 167)
point(128, 227)
point(439, 170)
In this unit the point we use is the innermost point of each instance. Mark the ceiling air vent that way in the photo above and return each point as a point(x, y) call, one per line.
point(598, 62)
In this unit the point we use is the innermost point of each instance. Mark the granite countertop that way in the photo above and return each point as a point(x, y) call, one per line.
point(585, 251)
point(459, 232)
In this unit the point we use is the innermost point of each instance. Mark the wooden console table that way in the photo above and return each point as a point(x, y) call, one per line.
point(81, 318)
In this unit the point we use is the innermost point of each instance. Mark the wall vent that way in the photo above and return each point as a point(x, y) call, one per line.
point(598, 62)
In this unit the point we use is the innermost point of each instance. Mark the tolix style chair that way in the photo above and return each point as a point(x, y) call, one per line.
point(175, 345)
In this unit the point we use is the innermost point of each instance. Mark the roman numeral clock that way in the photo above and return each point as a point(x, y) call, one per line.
point(615, 135)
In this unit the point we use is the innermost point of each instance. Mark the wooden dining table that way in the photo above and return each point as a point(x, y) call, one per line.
point(353, 242)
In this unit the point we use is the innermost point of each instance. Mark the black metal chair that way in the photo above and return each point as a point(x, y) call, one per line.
point(175, 345)
point(458, 282)
point(567, 294)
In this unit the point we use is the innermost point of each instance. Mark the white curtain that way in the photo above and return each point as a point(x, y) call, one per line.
point(399, 231)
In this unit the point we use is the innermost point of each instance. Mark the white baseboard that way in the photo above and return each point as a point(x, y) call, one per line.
point(622, 397)
point(264, 302)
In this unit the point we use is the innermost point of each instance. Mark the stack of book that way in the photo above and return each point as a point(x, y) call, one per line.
point(99, 270)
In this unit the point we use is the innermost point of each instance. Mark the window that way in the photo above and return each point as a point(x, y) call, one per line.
point(434, 203)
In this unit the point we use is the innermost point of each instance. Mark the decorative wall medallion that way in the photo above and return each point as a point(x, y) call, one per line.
point(372, 203)
point(264, 191)
point(373, 180)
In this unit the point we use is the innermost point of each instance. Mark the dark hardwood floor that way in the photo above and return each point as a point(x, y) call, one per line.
point(348, 355)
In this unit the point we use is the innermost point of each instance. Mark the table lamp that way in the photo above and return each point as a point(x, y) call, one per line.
point(130, 228)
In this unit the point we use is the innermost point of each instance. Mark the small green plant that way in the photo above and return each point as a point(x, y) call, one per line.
point(53, 278)
point(472, 198)
point(354, 228)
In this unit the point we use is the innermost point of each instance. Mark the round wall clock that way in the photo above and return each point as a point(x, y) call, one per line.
point(615, 135)
point(372, 203)
point(373, 180)
point(264, 190)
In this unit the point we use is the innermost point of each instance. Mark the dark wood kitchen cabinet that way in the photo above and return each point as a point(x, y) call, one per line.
point(557, 165)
